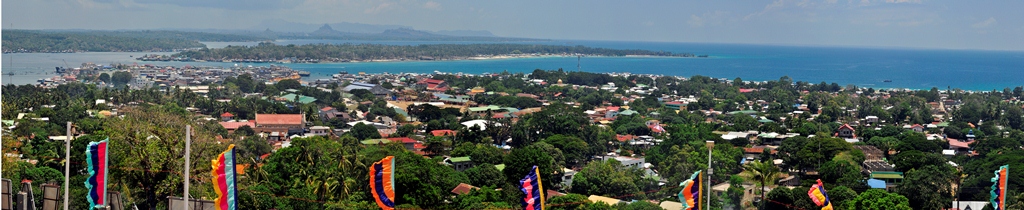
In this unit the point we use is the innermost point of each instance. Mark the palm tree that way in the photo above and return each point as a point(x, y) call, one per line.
point(763, 172)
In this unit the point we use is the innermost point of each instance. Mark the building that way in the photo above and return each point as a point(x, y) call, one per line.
point(287, 124)
point(846, 132)
point(227, 116)
point(890, 178)
point(319, 131)
point(328, 113)
point(434, 85)
point(442, 133)
point(460, 163)
point(675, 105)
point(607, 200)
point(408, 143)
point(376, 89)
point(463, 189)
point(232, 126)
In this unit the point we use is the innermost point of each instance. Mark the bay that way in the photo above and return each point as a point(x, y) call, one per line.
point(863, 67)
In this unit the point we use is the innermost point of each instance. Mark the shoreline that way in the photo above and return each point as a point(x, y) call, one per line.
point(474, 58)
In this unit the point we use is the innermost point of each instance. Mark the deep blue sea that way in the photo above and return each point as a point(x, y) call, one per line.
point(864, 67)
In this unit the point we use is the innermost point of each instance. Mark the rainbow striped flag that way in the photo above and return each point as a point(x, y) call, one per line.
point(224, 180)
point(999, 188)
point(382, 182)
point(690, 195)
point(531, 186)
point(96, 156)
point(818, 195)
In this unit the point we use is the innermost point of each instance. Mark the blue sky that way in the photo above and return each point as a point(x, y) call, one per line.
point(990, 25)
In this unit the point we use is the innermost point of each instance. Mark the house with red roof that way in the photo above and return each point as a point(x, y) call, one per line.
point(846, 131)
point(463, 189)
point(442, 132)
point(282, 123)
point(409, 143)
point(227, 116)
point(434, 85)
point(232, 126)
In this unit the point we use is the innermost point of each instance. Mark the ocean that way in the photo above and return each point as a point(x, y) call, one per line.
point(863, 67)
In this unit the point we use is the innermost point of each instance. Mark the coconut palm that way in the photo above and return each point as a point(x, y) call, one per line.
point(762, 172)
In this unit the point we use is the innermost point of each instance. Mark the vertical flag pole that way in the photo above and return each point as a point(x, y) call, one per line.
point(711, 144)
point(67, 165)
point(188, 147)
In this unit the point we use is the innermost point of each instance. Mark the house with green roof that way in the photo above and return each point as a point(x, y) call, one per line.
point(375, 141)
point(302, 99)
point(891, 178)
point(628, 112)
point(460, 163)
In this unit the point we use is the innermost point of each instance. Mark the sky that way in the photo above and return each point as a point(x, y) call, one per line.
point(984, 25)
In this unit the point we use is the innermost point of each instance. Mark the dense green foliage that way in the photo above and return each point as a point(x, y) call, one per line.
point(330, 172)
point(46, 41)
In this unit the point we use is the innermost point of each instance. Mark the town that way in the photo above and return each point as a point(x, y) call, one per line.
point(461, 141)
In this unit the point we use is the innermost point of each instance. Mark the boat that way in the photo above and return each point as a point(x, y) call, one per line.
point(303, 73)
point(888, 80)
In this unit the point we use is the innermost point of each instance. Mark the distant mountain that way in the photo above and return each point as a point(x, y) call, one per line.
point(294, 27)
point(407, 32)
point(325, 30)
point(464, 33)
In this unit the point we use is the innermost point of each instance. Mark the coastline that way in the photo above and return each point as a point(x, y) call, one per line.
point(860, 67)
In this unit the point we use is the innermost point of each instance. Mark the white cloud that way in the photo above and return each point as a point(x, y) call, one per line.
point(767, 8)
point(985, 23)
point(432, 5)
point(696, 21)
point(709, 18)
point(903, 1)
point(379, 8)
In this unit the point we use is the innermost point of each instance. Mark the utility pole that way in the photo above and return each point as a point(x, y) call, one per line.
point(67, 165)
point(711, 144)
point(188, 147)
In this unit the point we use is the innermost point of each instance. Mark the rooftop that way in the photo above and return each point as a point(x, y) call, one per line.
point(279, 119)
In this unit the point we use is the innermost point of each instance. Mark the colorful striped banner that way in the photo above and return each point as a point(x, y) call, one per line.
point(818, 195)
point(999, 188)
point(382, 182)
point(534, 190)
point(96, 157)
point(690, 195)
point(224, 177)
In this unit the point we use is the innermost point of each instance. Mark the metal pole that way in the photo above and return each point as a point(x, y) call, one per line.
point(67, 165)
point(709, 178)
point(188, 147)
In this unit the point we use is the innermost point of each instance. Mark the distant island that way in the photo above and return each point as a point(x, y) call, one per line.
point(73, 41)
point(65, 41)
point(314, 53)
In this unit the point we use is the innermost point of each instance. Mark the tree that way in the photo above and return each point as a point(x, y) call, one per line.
point(878, 199)
point(777, 198)
point(288, 84)
point(121, 78)
point(519, 162)
point(762, 172)
point(905, 161)
point(841, 173)
point(569, 201)
point(104, 77)
point(574, 149)
point(363, 131)
point(150, 138)
point(838, 196)
point(245, 130)
point(608, 178)
point(928, 187)
point(484, 175)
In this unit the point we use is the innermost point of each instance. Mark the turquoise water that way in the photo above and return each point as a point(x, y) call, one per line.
point(864, 67)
